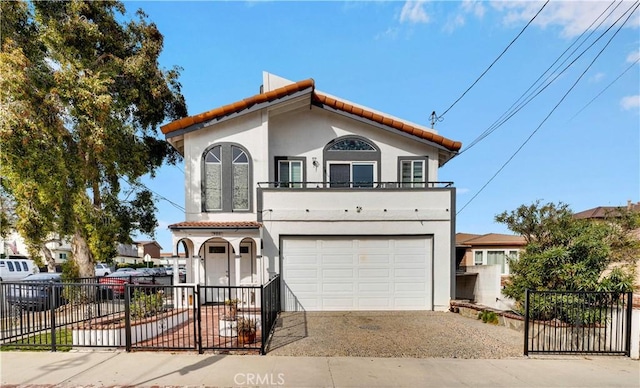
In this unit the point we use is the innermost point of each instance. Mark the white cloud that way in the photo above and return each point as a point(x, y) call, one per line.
point(634, 56)
point(596, 78)
point(475, 7)
point(573, 17)
point(390, 33)
point(413, 12)
point(453, 23)
point(630, 102)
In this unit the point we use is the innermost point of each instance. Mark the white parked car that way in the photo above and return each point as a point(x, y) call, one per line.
point(102, 269)
point(16, 268)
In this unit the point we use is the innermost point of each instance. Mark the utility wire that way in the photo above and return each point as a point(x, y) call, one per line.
point(551, 112)
point(519, 104)
point(605, 89)
point(155, 193)
point(494, 61)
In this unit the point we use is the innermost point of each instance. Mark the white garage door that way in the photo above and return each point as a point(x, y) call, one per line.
point(356, 273)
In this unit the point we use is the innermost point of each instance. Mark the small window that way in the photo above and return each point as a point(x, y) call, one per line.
point(18, 268)
point(62, 256)
point(10, 264)
point(478, 258)
point(289, 173)
point(25, 267)
point(244, 249)
point(218, 249)
point(412, 173)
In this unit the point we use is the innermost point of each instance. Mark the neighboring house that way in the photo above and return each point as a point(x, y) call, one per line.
point(341, 200)
point(151, 248)
point(14, 244)
point(482, 263)
point(600, 213)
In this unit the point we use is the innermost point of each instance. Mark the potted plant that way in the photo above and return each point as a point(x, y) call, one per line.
point(246, 330)
point(233, 308)
point(227, 324)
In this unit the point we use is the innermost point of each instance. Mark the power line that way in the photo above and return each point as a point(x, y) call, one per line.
point(519, 104)
point(552, 110)
point(494, 61)
point(155, 193)
point(605, 89)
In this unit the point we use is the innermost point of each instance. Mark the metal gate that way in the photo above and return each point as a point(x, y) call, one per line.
point(574, 322)
point(61, 316)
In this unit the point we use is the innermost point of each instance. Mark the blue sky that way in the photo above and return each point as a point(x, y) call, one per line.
point(411, 58)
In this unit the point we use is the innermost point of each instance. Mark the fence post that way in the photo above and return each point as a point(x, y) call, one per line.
point(627, 340)
point(526, 323)
point(52, 310)
point(197, 308)
point(263, 297)
point(127, 318)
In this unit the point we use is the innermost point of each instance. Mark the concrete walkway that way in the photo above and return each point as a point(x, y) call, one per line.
point(163, 369)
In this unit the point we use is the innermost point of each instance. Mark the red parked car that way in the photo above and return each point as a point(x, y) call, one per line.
point(113, 285)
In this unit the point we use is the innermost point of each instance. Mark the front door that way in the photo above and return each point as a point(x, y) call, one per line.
point(217, 270)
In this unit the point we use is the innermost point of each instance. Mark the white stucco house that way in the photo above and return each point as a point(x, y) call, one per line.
point(342, 201)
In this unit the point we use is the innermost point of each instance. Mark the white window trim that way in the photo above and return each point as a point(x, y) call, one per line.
point(291, 182)
point(485, 256)
point(413, 183)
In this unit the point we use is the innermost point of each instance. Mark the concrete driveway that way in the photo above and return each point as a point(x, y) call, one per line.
point(419, 334)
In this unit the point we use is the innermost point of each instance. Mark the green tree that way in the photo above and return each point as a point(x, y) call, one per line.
point(82, 96)
point(566, 254)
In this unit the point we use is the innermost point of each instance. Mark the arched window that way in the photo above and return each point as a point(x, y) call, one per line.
point(352, 161)
point(226, 178)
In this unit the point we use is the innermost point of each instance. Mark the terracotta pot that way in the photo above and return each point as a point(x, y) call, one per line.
point(246, 337)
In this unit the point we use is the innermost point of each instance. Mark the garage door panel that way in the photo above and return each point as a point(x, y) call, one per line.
point(302, 275)
point(304, 260)
point(374, 273)
point(357, 273)
point(300, 244)
point(338, 287)
point(415, 258)
point(374, 287)
point(336, 244)
point(412, 286)
point(374, 259)
point(333, 273)
point(368, 244)
point(337, 259)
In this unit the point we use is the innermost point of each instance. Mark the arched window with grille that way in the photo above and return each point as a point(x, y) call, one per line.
point(226, 178)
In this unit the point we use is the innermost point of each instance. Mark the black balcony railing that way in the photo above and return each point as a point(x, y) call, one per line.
point(355, 185)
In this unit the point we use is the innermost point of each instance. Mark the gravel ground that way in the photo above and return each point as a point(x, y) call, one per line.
point(418, 334)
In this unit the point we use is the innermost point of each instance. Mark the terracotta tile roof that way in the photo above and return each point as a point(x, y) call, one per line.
point(238, 106)
point(215, 225)
point(492, 239)
point(318, 99)
point(399, 125)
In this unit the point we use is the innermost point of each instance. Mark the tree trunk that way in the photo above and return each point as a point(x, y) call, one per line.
point(82, 255)
point(49, 260)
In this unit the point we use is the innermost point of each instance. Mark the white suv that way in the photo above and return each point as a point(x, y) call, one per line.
point(16, 268)
point(102, 269)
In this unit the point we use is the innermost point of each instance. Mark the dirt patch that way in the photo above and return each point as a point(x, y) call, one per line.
point(419, 334)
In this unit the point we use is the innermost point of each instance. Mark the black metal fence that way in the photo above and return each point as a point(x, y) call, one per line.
point(137, 315)
point(577, 322)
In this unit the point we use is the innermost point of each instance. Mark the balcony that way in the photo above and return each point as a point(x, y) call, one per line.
point(358, 201)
